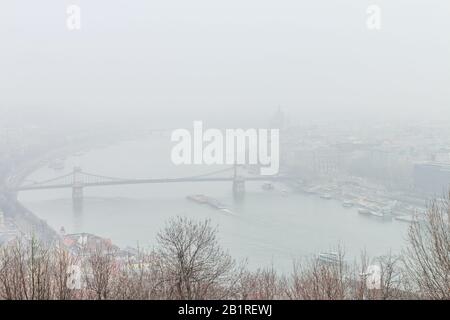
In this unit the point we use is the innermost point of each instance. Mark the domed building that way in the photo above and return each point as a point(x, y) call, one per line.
point(278, 120)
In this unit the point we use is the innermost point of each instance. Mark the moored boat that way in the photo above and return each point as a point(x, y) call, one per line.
point(199, 198)
point(347, 204)
point(409, 219)
point(329, 257)
point(382, 214)
point(364, 211)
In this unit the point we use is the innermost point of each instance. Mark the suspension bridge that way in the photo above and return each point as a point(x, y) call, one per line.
point(77, 180)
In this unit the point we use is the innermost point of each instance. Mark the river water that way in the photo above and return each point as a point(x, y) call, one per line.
point(268, 227)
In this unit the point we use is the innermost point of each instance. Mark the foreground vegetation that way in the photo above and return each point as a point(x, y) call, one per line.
point(188, 263)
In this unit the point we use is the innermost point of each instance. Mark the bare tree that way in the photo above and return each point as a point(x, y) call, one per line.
point(389, 279)
point(427, 257)
point(141, 277)
point(190, 264)
point(100, 270)
point(62, 261)
point(194, 264)
point(263, 284)
point(316, 280)
point(393, 283)
point(25, 271)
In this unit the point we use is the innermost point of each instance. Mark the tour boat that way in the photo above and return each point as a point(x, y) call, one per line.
point(329, 257)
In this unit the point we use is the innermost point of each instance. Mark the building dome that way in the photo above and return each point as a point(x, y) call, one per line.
point(278, 120)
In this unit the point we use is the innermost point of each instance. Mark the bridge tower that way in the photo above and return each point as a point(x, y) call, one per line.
point(77, 188)
point(238, 185)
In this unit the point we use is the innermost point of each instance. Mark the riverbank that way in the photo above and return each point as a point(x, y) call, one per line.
point(27, 222)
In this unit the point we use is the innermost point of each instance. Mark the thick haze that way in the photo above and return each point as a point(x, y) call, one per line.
point(353, 123)
point(209, 59)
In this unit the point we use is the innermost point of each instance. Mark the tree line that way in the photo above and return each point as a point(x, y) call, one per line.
point(188, 263)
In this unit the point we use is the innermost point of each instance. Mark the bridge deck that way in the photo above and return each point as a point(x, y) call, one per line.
point(147, 181)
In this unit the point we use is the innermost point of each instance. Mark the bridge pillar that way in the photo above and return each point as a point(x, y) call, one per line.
point(77, 196)
point(238, 188)
point(77, 189)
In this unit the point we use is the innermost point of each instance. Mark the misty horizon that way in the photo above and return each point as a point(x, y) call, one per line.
point(316, 60)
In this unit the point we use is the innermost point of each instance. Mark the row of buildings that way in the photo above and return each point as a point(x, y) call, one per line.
point(405, 157)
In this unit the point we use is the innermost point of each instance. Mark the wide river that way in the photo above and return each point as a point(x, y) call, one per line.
point(268, 228)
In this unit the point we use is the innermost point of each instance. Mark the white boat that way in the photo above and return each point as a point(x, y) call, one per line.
point(409, 219)
point(348, 204)
point(325, 196)
point(199, 198)
point(364, 211)
point(385, 213)
point(226, 210)
point(377, 214)
point(329, 257)
point(374, 213)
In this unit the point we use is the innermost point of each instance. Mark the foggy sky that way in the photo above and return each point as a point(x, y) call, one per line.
point(197, 58)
